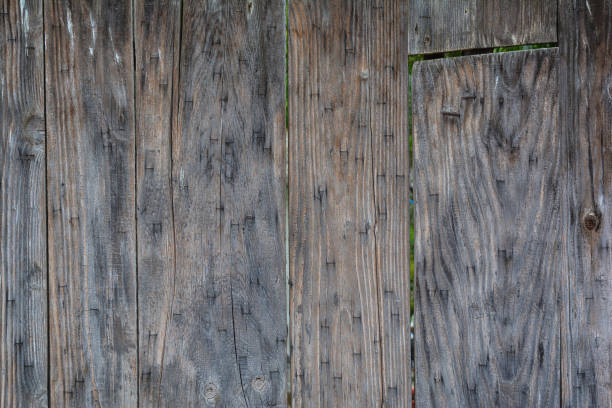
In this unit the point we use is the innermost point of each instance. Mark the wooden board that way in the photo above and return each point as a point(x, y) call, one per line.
point(91, 203)
point(490, 246)
point(224, 341)
point(23, 236)
point(585, 87)
point(156, 42)
point(348, 194)
point(442, 26)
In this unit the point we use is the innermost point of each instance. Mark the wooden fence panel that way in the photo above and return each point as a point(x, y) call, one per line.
point(490, 241)
point(156, 43)
point(23, 245)
point(348, 195)
point(225, 339)
point(585, 87)
point(91, 203)
point(443, 25)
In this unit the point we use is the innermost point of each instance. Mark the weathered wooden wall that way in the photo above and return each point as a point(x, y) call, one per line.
point(349, 235)
point(144, 209)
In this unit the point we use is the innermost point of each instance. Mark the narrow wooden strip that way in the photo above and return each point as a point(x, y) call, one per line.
point(442, 25)
point(225, 340)
point(348, 166)
point(490, 186)
point(389, 88)
point(92, 271)
point(156, 42)
point(23, 249)
point(585, 88)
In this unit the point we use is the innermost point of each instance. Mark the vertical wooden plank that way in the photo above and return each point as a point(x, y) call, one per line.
point(156, 46)
point(442, 25)
point(348, 167)
point(92, 271)
point(490, 176)
point(225, 340)
point(23, 250)
point(585, 86)
point(388, 81)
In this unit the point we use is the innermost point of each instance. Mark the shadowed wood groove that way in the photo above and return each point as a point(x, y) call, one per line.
point(490, 233)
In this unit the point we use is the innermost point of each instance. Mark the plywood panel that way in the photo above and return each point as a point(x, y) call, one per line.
point(490, 246)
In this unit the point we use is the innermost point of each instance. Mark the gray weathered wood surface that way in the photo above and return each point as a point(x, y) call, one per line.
point(223, 342)
point(585, 89)
point(490, 234)
point(348, 194)
point(442, 25)
point(156, 48)
point(23, 240)
point(91, 204)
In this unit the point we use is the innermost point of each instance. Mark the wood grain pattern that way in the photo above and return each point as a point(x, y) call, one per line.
point(491, 185)
point(224, 343)
point(585, 86)
point(91, 203)
point(442, 26)
point(156, 42)
point(348, 167)
point(23, 248)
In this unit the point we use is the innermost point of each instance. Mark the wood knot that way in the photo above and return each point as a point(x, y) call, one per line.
point(210, 392)
point(259, 383)
point(364, 75)
point(590, 220)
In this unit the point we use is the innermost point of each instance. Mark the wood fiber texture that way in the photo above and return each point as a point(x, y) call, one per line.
point(443, 25)
point(156, 47)
point(348, 212)
point(490, 245)
point(224, 340)
point(91, 203)
point(23, 235)
point(585, 89)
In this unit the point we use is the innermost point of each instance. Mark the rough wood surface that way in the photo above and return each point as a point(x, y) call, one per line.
point(224, 342)
point(490, 234)
point(23, 248)
point(91, 203)
point(348, 194)
point(586, 122)
point(442, 25)
point(156, 45)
